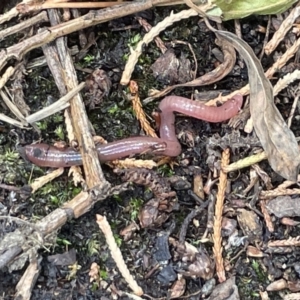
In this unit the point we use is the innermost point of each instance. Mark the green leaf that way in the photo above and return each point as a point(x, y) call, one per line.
point(236, 9)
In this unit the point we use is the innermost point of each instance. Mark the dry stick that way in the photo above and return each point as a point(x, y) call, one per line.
point(285, 26)
point(266, 38)
point(49, 225)
point(28, 280)
point(41, 17)
point(292, 112)
point(62, 4)
point(11, 121)
point(41, 181)
point(8, 73)
point(217, 228)
point(117, 255)
point(90, 19)
point(80, 121)
point(55, 4)
point(13, 108)
point(12, 13)
point(159, 43)
point(57, 106)
point(54, 62)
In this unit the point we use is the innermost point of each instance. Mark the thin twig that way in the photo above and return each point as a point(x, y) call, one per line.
point(57, 106)
point(117, 255)
point(217, 237)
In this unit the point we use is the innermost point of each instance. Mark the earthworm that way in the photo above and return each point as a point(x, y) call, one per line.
point(49, 156)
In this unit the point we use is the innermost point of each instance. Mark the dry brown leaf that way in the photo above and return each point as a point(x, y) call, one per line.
point(276, 138)
point(284, 206)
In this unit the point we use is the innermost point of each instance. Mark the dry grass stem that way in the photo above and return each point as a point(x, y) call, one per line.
point(293, 110)
point(41, 17)
point(11, 121)
point(117, 255)
point(12, 107)
point(7, 74)
point(285, 26)
point(267, 216)
point(62, 4)
point(39, 182)
point(11, 13)
point(139, 112)
point(57, 106)
point(217, 227)
point(28, 280)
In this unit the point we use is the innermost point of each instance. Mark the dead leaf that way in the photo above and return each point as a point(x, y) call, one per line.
point(225, 290)
point(284, 206)
point(276, 138)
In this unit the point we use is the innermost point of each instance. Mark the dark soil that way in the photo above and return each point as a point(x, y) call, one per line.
point(114, 119)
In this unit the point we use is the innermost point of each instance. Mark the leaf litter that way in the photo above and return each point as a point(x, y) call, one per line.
point(276, 138)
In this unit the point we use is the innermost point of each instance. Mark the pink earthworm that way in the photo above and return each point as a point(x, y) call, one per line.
point(45, 155)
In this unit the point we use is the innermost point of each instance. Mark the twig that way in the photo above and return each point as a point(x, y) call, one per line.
point(28, 280)
point(13, 122)
point(12, 107)
point(80, 121)
point(117, 255)
point(41, 181)
point(292, 112)
point(59, 105)
point(285, 26)
point(7, 74)
point(92, 18)
point(159, 43)
point(265, 39)
point(33, 6)
point(282, 83)
point(217, 237)
point(41, 17)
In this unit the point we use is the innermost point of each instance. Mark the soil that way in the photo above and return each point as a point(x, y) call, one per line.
point(113, 118)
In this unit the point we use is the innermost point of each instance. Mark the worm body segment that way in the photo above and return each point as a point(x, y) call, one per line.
point(49, 156)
